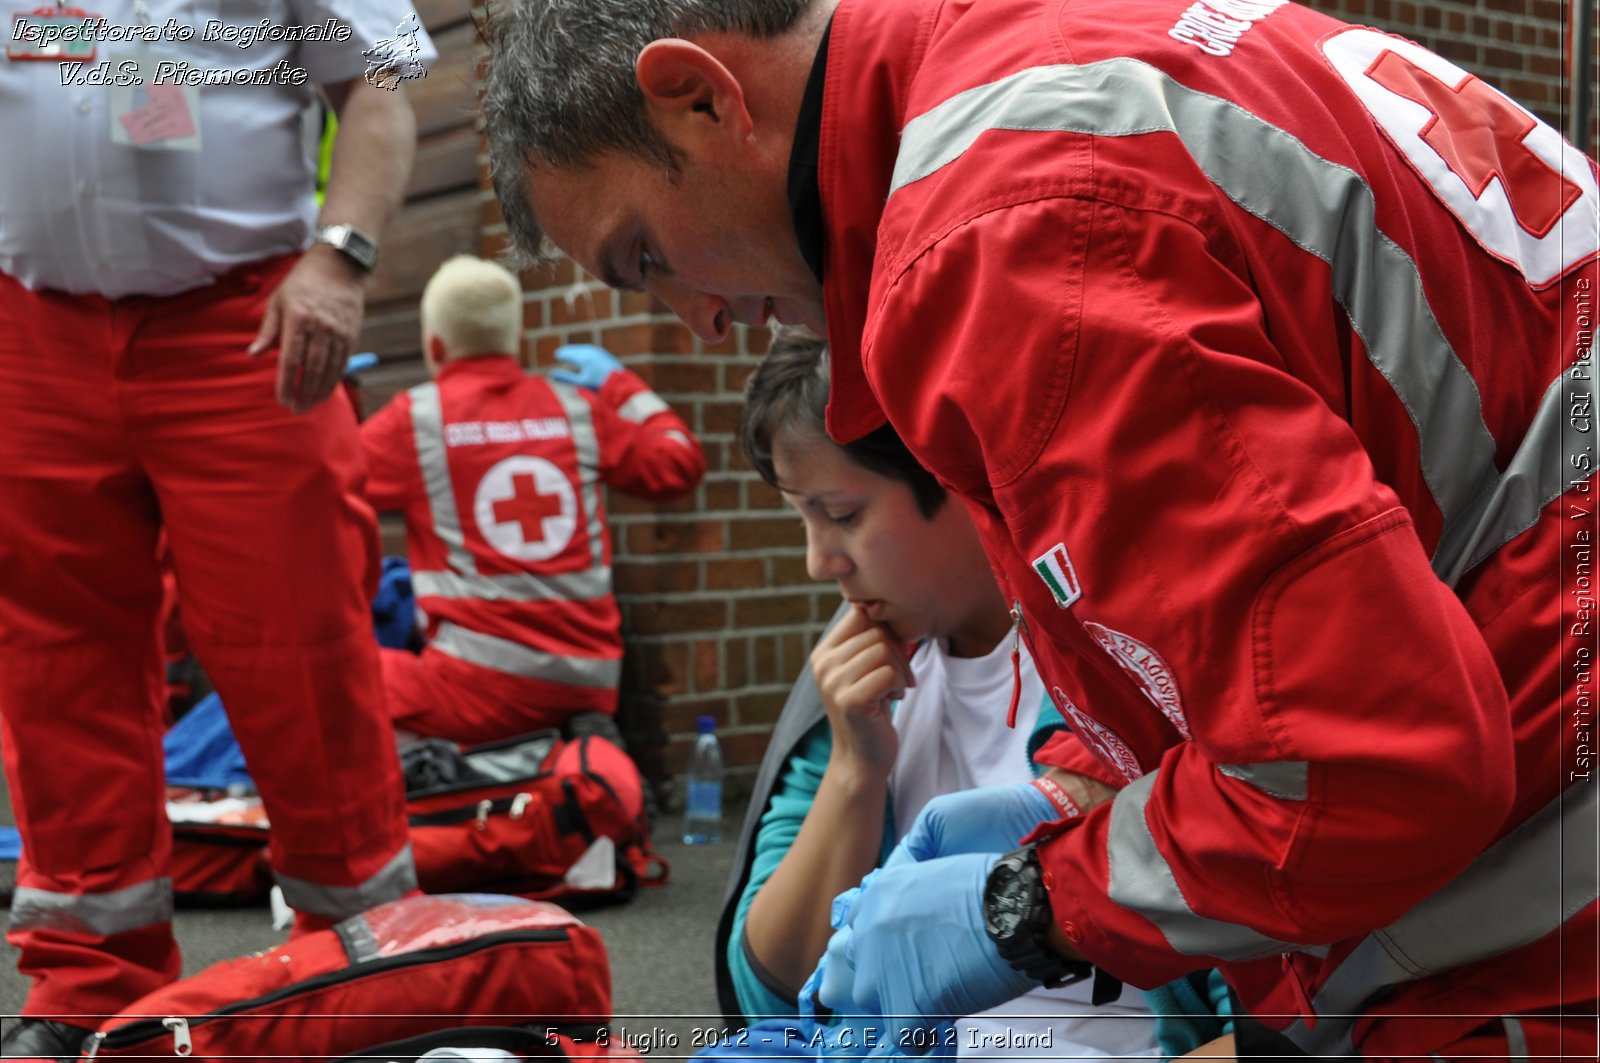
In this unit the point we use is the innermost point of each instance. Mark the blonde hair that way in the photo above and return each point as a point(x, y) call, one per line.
point(474, 306)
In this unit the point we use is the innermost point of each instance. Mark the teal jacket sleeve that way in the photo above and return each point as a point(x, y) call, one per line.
point(792, 796)
point(1049, 722)
point(791, 800)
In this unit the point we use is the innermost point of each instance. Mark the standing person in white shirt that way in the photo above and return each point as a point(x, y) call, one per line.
point(899, 731)
point(174, 310)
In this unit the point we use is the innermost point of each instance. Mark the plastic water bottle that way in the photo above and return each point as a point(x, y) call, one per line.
point(702, 809)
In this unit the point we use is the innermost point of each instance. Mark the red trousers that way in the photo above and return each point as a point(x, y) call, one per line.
point(435, 695)
point(118, 419)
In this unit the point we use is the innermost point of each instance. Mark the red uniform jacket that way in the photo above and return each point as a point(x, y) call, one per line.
point(1260, 346)
point(498, 474)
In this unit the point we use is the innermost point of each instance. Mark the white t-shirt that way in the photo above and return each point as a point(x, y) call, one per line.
point(953, 736)
point(81, 212)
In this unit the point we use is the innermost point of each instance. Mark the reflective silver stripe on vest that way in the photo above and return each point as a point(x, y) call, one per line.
point(513, 658)
point(1543, 467)
point(588, 448)
point(1279, 778)
point(427, 426)
point(396, 879)
point(1516, 1039)
point(1507, 898)
point(642, 407)
point(1142, 882)
point(1326, 209)
point(93, 914)
point(588, 585)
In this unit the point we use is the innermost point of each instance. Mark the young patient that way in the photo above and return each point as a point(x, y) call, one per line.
point(916, 679)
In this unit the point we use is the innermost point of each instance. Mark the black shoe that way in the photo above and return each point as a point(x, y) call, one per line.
point(43, 1039)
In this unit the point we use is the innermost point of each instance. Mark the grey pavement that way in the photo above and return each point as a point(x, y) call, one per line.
point(660, 945)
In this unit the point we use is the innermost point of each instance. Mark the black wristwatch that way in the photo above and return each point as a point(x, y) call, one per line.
point(1016, 913)
point(352, 243)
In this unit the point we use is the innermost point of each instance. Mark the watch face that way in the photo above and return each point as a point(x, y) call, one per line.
point(1007, 904)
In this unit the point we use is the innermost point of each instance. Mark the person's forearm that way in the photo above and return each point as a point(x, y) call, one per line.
point(372, 156)
point(787, 927)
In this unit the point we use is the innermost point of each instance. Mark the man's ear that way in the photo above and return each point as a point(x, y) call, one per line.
point(689, 92)
point(437, 353)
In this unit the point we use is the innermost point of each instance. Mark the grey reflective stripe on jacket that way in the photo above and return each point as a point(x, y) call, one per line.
point(642, 407)
point(513, 658)
point(583, 586)
point(462, 579)
point(95, 914)
point(1505, 899)
point(427, 428)
point(394, 880)
point(1278, 179)
point(588, 446)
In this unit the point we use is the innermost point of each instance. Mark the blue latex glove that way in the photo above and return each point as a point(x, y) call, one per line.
point(360, 363)
point(992, 819)
point(910, 952)
point(593, 365)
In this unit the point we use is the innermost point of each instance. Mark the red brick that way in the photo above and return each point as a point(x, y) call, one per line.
point(1549, 66)
point(1504, 58)
point(723, 494)
point(681, 715)
point(653, 338)
point(721, 417)
point(678, 617)
point(764, 653)
point(677, 537)
point(789, 570)
point(735, 663)
point(760, 707)
point(665, 667)
point(734, 378)
point(772, 611)
point(761, 495)
point(735, 573)
point(532, 314)
point(707, 656)
point(683, 378)
point(667, 577)
point(765, 533)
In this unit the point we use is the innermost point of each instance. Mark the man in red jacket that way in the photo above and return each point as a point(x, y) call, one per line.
point(499, 476)
point(1261, 347)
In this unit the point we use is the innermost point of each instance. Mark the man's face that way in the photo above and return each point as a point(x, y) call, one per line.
point(716, 245)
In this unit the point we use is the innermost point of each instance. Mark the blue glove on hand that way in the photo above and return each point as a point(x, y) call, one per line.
point(360, 363)
point(594, 365)
point(910, 949)
point(993, 819)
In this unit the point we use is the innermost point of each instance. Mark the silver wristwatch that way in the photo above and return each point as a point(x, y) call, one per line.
point(352, 243)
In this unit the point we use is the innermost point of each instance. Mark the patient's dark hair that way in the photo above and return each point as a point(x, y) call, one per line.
point(788, 392)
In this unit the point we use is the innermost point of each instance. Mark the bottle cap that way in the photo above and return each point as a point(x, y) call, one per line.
point(706, 724)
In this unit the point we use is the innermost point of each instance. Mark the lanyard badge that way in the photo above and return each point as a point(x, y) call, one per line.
point(57, 34)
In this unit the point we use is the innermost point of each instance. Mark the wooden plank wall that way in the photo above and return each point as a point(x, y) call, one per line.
point(440, 217)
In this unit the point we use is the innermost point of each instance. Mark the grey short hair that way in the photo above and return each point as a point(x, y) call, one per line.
point(560, 87)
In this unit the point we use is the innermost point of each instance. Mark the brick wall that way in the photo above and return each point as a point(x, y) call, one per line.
point(718, 610)
point(715, 600)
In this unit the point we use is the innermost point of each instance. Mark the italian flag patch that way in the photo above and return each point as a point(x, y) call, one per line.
point(1055, 568)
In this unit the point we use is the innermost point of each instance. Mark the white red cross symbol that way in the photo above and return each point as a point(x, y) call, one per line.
point(526, 508)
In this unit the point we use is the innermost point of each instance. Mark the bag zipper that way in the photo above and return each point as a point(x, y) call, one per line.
point(144, 1029)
